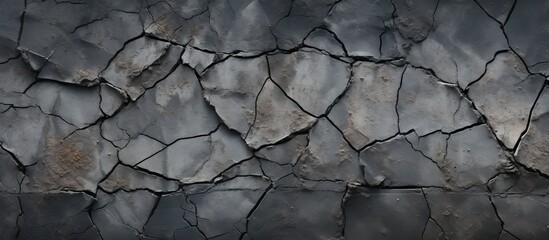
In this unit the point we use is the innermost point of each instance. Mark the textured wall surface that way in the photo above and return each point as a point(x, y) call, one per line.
point(274, 119)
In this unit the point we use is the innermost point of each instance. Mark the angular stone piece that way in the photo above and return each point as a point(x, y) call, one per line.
point(77, 162)
point(525, 217)
point(464, 38)
point(359, 30)
point(171, 214)
point(286, 152)
point(122, 215)
point(328, 156)
point(111, 99)
point(505, 95)
point(174, 109)
point(10, 175)
point(414, 19)
point(276, 117)
point(498, 9)
point(367, 112)
point(239, 196)
point(312, 79)
point(464, 215)
point(129, 179)
point(197, 59)
point(73, 43)
point(232, 87)
point(385, 214)
point(10, 26)
point(56, 216)
point(426, 105)
point(131, 62)
point(77, 105)
point(296, 216)
point(325, 41)
point(139, 149)
point(533, 149)
point(395, 163)
point(528, 39)
point(199, 159)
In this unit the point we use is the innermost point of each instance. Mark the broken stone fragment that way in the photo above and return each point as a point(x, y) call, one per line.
point(385, 214)
point(414, 19)
point(294, 215)
point(10, 26)
point(77, 105)
point(325, 41)
point(199, 159)
point(111, 99)
point(239, 196)
point(122, 215)
point(73, 43)
point(139, 149)
point(528, 40)
point(16, 77)
point(312, 79)
point(173, 213)
point(367, 112)
point(396, 163)
point(505, 95)
point(464, 38)
point(286, 152)
point(128, 179)
point(525, 182)
point(197, 59)
point(532, 150)
point(77, 162)
point(359, 30)
point(275, 171)
point(136, 56)
point(498, 9)
point(232, 86)
point(419, 111)
point(174, 109)
point(525, 217)
point(250, 167)
point(56, 216)
point(464, 215)
point(276, 117)
point(328, 156)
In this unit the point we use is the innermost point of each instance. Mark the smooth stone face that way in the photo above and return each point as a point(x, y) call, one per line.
point(139, 149)
point(232, 87)
point(77, 162)
point(532, 150)
point(328, 156)
point(10, 24)
point(312, 79)
point(528, 39)
point(239, 196)
point(16, 77)
point(111, 99)
point(77, 105)
point(129, 179)
point(10, 174)
point(122, 215)
point(396, 163)
point(131, 62)
point(414, 18)
point(367, 111)
point(199, 159)
point(197, 59)
point(64, 46)
point(417, 110)
point(19, 127)
point(464, 215)
point(276, 118)
point(56, 216)
point(505, 95)
point(296, 216)
point(154, 114)
point(8, 217)
point(462, 41)
point(359, 30)
point(385, 214)
point(524, 216)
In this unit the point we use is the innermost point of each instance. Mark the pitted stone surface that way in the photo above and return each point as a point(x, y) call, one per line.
point(287, 119)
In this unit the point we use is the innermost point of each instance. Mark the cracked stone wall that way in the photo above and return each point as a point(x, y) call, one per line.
point(286, 119)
